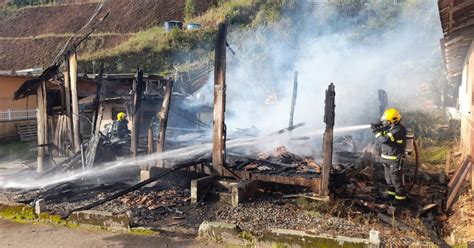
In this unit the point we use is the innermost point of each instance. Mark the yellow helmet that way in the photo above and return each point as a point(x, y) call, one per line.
point(121, 116)
point(391, 115)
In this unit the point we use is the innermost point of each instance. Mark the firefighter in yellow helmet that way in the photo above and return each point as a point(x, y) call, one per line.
point(390, 133)
point(121, 126)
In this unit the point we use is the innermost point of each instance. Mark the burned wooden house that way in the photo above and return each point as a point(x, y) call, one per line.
point(63, 128)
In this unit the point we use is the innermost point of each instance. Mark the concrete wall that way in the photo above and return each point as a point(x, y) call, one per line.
point(8, 86)
point(466, 106)
point(8, 128)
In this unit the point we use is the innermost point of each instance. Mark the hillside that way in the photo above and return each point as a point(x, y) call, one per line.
point(24, 45)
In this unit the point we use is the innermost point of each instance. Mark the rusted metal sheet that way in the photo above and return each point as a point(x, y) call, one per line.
point(219, 129)
point(329, 116)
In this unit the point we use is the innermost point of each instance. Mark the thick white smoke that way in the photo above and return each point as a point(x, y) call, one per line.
point(359, 54)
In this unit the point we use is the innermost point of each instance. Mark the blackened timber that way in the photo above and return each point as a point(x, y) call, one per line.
point(329, 116)
point(165, 109)
point(293, 99)
point(75, 102)
point(136, 186)
point(219, 129)
point(137, 101)
point(96, 122)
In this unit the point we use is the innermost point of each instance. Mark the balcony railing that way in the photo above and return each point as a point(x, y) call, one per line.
point(17, 115)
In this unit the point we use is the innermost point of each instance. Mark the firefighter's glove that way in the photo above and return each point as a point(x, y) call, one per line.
point(377, 127)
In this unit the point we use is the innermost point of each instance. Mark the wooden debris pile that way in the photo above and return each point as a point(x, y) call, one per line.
point(279, 162)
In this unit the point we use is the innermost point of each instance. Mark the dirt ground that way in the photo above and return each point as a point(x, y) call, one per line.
point(14, 234)
point(24, 45)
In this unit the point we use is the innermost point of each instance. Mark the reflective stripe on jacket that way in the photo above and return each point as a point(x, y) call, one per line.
point(392, 141)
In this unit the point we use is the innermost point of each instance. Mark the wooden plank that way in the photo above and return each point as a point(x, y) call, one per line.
point(163, 115)
point(458, 173)
point(137, 100)
point(75, 102)
point(457, 185)
point(219, 130)
point(329, 116)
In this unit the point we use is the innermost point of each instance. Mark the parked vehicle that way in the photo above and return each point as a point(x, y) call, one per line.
point(193, 26)
point(169, 25)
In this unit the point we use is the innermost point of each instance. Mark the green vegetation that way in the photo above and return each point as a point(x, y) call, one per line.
point(435, 155)
point(12, 149)
point(155, 50)
point(142, 231)
point(189, 9)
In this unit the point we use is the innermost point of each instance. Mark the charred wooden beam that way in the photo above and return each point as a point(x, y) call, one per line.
point(329, 116)
point(75, 102)
point(219, 129)
point(293, 99)
point(137, 101)
point(42, 122)
point(135, 187)
point(163, 115)
point(97, 119)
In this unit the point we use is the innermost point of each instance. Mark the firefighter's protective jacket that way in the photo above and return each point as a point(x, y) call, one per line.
point(393, 142)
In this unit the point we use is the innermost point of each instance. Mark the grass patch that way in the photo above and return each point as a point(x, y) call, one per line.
point(434, 155)
point(12, 149)
point(155, 50)
point(142, 231)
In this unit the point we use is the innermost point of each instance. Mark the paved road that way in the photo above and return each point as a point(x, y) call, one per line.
point(13, 234)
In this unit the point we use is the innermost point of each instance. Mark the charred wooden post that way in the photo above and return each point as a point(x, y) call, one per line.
point(75, 102)
point(293, 99)
point(97, 110)
point(219, 128)
point(42, 125)
point(163, 115)
point(67, 97)
point(329, 116)
point(137, 101)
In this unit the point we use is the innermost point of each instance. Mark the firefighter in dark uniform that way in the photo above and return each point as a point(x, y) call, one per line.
point(390, 133)
point(121, 126)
